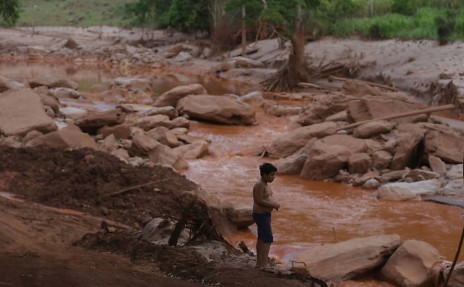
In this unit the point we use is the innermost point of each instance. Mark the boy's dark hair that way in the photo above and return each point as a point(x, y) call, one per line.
point(267, 168)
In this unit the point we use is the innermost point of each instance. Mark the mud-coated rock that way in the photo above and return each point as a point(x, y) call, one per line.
point(374, 128)
point(404, 191)
point(296, 139)
point(217, 109)
point(327, 156)
point(68, 137)
point(409, 265)
point(446, 146)
point(22, 111)
point(381, 159)
point(359, 163)
point(407, 139)
point(171, 97)
point(348, 259)
point(94, 121)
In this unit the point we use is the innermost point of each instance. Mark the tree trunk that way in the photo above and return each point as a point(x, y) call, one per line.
point(296, 70)
point(244, 42)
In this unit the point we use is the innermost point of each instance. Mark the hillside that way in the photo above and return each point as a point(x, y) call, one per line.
point(82, 13)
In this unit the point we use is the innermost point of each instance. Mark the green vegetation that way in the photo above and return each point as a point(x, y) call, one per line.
point(442, 20)
point(9, 12)
point(81, 13)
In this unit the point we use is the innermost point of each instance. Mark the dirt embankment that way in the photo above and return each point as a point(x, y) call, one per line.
point(42, 245)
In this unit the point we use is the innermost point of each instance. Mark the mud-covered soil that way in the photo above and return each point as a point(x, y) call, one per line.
point(87, 180)
point(45, 242)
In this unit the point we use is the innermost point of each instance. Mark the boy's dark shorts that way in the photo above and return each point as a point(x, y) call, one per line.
point(263, 220)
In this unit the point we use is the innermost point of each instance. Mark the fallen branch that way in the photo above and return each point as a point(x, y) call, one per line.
point(455, 259)
point(309, 85)
point(134, 187)
point(333, 78)
point(401, 115)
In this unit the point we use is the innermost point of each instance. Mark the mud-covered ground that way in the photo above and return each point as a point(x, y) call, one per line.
point(92, 239)
point(41, 245)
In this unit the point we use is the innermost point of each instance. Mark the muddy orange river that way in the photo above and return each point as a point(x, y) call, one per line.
point(311, 212)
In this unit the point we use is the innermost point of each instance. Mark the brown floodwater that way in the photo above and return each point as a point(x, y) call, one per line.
point(311, 211)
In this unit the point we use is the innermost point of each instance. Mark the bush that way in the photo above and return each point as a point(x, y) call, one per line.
point(445, 27)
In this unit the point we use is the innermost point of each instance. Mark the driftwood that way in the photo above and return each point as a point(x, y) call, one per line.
point(121, 191)
point(309, 85)
point(333, 78)
point(401, 115)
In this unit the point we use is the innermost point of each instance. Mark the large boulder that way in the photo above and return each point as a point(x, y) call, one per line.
point(321, 109)
point(143, 144)
point(404, 191)
point(381, 159)
point(349, 259)
point(217, 109)
point(96, 120)
point(408, 137)
point(410, 264)
point(437, 165)
point(298, 138)
point(164, 155)
point(68, 137)
point(22, 111)
point(446, 146)
point(194, 150)
point(359, 163)
point(327, 156)
point(164, 136)
point(292, 164)
point(373, 109)
point(151, 122)
point(171, 97)
point(374, 128)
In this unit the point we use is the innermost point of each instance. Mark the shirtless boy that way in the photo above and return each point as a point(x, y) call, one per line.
point(263, 204)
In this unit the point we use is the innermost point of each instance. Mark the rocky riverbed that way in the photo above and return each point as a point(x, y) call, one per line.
point(110, 158)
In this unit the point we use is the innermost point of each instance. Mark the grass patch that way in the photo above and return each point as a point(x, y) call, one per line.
point(82, 13)
point(420, 26)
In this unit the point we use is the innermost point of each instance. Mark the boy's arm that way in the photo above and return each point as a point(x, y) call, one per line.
point(258, 197)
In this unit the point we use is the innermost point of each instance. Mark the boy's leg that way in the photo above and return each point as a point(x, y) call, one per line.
point(265, 254)
point(259, 252)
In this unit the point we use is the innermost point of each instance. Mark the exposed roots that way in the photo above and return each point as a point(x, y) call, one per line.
point(288, 78)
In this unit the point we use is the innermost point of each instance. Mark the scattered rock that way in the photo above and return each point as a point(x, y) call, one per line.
point(296, 139)
point(445, 146)
point(171, 97)
point(359, 163)
point(349, 259)
point(96, 120)
point(68, 137)
point(403, 191)
point(217, 109)
point(410, 264)
point(372, 129)
point(22, 111)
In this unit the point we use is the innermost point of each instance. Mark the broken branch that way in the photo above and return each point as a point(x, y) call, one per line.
point(333, 78)
point(401, 115)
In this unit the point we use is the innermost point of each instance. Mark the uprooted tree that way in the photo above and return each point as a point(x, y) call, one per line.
point(296, 70)
point(282, 19)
